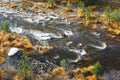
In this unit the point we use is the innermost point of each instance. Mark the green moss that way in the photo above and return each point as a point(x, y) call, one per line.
point(98, 69)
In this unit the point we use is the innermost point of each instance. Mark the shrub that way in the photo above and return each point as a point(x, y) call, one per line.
point(86, 11)
point(81, 4)
point(4, 26)
point(112, 15)
point(97, 68)
point(3, 75)
point(63, 63)
point(107, 13)
point(25, 68)
point(68, 4)
point(115, 16)
point(68, 7)
point(51, 4)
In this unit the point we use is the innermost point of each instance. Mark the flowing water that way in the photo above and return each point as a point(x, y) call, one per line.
point(71, 41)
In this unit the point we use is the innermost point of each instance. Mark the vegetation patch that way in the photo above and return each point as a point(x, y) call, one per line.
point(4, 26)
point(25, 68)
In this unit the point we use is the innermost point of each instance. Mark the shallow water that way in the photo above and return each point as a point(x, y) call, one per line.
point(71, 41)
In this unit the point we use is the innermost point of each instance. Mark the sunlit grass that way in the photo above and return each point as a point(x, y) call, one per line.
point(112, 15)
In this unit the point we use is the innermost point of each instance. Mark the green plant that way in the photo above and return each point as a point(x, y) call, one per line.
point(68, 4)
point(115, 16)
point(87, 12)
point(112, 15)
point(107, 13)
point(4, 26)
point(25, 68)
point(50, 2)
point(68, 7)
point(63, 63)
point(98, 69)
point(81, 4)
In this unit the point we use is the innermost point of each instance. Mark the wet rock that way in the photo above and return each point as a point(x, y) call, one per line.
point(111, 75)
point(42, 67)
point(13, 58)
point(58, 54)
point(39, 63)
point(68, 33)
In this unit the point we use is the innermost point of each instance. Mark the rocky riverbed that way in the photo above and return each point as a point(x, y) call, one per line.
point(71, 40)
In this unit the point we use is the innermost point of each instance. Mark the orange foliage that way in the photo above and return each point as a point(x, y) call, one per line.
point(77, 74)
point(37, 77)
point(79, 13)
point(93, 77)
point(58, 71)
point(113, 28)
point(51, 6)
point(68, 9)
point(17, 78)
point(12, 5)
point(2, 59)
point(42, 49)
point(90, 68)
point(3, 75)
point(1, 51)
point(79, 77)
point(22, 42)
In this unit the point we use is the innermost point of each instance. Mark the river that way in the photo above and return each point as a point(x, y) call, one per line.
point(70, 40)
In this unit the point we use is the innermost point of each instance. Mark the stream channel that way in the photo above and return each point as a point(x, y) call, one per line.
point(71, 41)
